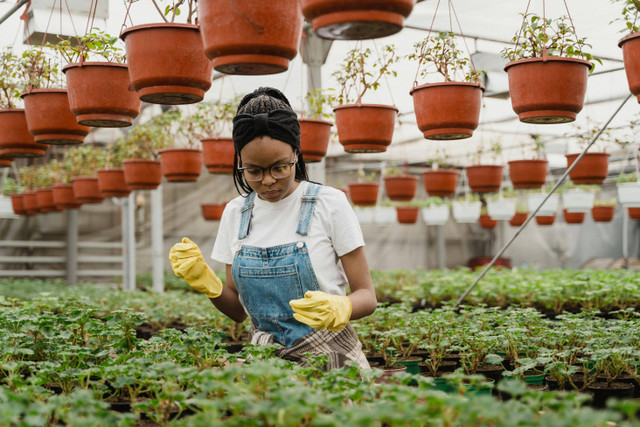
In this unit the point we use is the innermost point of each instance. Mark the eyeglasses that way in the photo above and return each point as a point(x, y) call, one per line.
point(256, 173)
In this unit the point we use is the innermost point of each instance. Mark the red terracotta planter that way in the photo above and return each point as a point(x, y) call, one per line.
point(356, 19)
point(218, 154)
point(592, 168)
point(30, 202)
point(86, 189)
point(603, 213)
point(142, 174)
point(365, 128)
point(573, 217)
point(99, 94)
point(111, 183)
point(252, 36)
point(545, 219)
point(64, 197)
point(440, 182)
point(485, 221)
point(167, 64)
point(631, 56)
point(528, 173)
point(400, 188)
point(50, 119)
point(447, 111)
point(484, 178)
point(15, 138)
point(518, 219)
point(364, 193)
point(212, 211)
point(5, 162)
point(547, 90)
point(407, 214)
point(181, 164)
point(314, 139)
point(44, 200)
point(634, 213)
point(17, 203)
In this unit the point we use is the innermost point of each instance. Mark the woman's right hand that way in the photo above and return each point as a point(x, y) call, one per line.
point(188, 264)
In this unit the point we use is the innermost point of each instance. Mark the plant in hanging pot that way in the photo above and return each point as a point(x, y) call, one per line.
point(441, 180)
point(85, 161)
point(44, 180)
point(47, 111)
point(630, 43)
point(364, 128)
point(167, 63)
point(450, 109)
point(11, 188)
point(466, 209)
point(29, 201)
point(180, 158)
point(315, 126)
point(603, 210)
point(628, 188)
point(529, 173)
point(502, 207)
point(111, 179)
point(548, 70)
point(213, 211)
point(593, 167)
point(486, 221)
point(436, 211)
point(577, 198)
point(142, 170)
point(485, 178)
point(536, 198)
point(399, 186)
point(63, 195)
point(407, 212)
point(573, 217)
point(98, 81)
point(364, 192)
point(520, 216)
point(15, 139)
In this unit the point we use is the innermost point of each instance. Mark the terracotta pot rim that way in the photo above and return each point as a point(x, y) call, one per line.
point(484, 166)
point(174, 150)
point(37, 91)
point(525, 61)
point(441, 84)
point(140, 161)
point(382, 106)
point(217, 138)
point(597, 154)
point(58, 185)
point(627, 38)
point(94, 64)
point(401, 177)
point(159, 25)
point(445, 171)
point(83, 178)
point(363, 183)
point(319, 121)
point(528, 161)
point(11, 110)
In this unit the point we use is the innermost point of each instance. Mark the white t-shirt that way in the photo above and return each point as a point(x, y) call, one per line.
point(334, 232)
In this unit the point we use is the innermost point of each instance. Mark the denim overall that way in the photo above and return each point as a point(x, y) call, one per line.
point(268, 278)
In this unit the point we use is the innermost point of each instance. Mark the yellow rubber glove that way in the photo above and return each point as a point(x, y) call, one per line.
point(188, 264)
point(321, 310)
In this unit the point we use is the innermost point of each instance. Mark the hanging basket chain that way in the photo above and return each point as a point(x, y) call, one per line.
point(126, 15)
point(386, 79)
point(524, 18)
point(435, 13)
point(464, 39)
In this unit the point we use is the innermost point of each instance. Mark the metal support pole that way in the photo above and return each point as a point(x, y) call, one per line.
point(533, 214)
point(128, 243)
point(157, 240)
point(13, 10)
point(72, 247)
point(442, 248)
point(625, 236)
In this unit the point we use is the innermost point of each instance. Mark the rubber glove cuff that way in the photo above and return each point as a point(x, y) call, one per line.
point(321, 310)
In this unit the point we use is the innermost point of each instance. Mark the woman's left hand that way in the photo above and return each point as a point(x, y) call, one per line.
point(321, 310)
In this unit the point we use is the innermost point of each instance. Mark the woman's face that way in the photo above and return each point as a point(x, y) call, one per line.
point(261, 154)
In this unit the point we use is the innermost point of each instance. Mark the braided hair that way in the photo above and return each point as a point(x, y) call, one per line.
point(262, 102)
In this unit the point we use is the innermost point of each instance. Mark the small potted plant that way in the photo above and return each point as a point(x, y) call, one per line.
point(485, 178)
point(167, 62)
point(142, 169)
point(364, 192)
point(628, 189)
point(521, 214)
point(212, 211)
point(315, 127)
point(407, 212)
point(603, 210)
point(111, 180)
point(98, 81)
point(180, 159)
point(502, 207)
point(436, 211)
point(548, 70)
point(43, 188)
point(578, 198)
point(86, 160)
point(630, 44)
point(450, 109)
point(486, 221)
point(528, 173)
point(573, 217)
point(11, 188)
point(441, 180)
point(63, 195)
point(398, 186)
point(364, 128)
point(466, 209)
point(548, 208)
point(15, 139)
point(593, 167)
point(29, 201)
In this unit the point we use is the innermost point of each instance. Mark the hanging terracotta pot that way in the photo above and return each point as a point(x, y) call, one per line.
point(17, 202)
point(212, 211)
point(30, 202)
point(314, 139)
point(356, 19)
point(547, 90)
point(50, 119)
point(252, 36)
point(634, 213)
point(5, 162)
point(100, 94)
point(518, 219)
point(545, 219)
point(15, 138)
point(167, 64)
point(573, 217)
point(86, 189)
point(141, 174)
point(487, 222)
point(407, 214)
point(484, 178)
point(528, 173)
point(593, 168)
point(365, 128)
point(364, 193)
point(631, 57)
point(440, 182)
point(64, 197)
point(181, 164)
point(603, 213)
point(400, 187)
point(218, 154)
point(449, 110)
point(111, 182)
point(44, 200)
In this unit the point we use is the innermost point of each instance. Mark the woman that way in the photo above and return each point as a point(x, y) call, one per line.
point(291, 247)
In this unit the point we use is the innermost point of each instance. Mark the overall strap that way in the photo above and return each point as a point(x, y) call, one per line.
point(308, 204)
point(245, 216)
